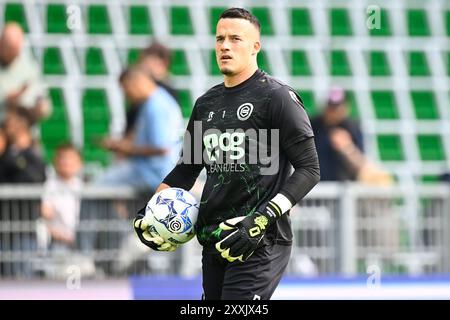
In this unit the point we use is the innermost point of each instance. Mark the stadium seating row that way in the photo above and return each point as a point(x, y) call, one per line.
point(139, 20)
point(401, 99)
point(377, 60)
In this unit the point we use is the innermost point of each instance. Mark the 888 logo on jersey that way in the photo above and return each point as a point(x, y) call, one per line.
point(231, 150)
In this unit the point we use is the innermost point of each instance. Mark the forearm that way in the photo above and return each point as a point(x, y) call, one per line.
point(146, 151)
point(183, 176)
point(303, 156)
point(354, 157)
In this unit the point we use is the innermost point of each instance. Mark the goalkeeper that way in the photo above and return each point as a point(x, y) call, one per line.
point(247, 132)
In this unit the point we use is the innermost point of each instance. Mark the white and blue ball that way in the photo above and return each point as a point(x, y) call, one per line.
point(173, 214)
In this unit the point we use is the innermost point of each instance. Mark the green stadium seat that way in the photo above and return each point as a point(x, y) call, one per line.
point(214, 14)
point(57, 19)
point(339, 64)
point(263, 61)
point(299, 63)
point(139, 20)
point(133, 55)
point(417, 63)
point(430, 178)
point(425, 107)
point(96, 118)
point(179, 65)
point(181, 23)
point(385, 105)
point(213, 67)
point(447, 22)
point(58, 102)
point(95, 114)
point(390, 147)
point(352, 104)
point(430, 147)
point(417, 23)
point(95, 101)
point(52, 61)
point(301, 22)
point(263, 15)
point(16, 12)
point(379, 65)
point(185, 99)
point(340, 22)
point(385, 26)
point(55, 130)
point(308, 102)
point(98, 20)
point(94, 62)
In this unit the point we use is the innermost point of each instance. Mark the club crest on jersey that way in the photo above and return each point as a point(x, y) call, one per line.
point(244, 111)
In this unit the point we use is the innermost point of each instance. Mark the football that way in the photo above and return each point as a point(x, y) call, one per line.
point(173, 214)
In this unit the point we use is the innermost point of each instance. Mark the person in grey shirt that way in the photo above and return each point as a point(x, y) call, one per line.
point(20, 82)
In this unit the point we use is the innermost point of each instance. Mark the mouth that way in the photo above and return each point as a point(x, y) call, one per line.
point(225, 58)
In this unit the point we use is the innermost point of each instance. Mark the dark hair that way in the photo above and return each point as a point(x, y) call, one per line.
point(240, 13)
point(158, 50)
point(67, 146)
point(130, 72)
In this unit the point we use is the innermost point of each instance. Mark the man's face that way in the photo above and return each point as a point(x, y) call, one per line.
point(132, 88)
point(154, 66)
point(336, 114)
point(237, 43)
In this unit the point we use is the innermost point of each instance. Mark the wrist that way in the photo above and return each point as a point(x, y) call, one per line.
point(272, 212)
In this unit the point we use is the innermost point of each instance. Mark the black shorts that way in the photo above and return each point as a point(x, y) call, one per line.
point(254, 279)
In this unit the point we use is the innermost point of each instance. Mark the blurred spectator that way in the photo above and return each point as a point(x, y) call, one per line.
point(154, 148)
point(334, 165)
point(366, 171)
point(155, 62)
point(3, 142)
point(148, 155)
point(21, 162)
point(60, 206)
point(445, 177)
point(20, 82)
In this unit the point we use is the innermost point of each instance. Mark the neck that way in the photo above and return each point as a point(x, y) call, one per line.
point(234, 80)
point(145, 95)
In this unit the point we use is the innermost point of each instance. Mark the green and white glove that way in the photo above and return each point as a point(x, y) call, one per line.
point(141, 224)
point(243, 234)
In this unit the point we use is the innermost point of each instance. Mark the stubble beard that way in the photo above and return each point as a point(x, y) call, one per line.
point(227, 72)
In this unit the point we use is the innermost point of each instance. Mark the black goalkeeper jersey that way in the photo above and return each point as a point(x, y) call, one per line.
point(238, 134)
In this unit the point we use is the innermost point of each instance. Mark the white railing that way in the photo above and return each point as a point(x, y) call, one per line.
point(338, 229)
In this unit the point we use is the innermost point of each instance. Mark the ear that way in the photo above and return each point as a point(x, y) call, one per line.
point(256, 47)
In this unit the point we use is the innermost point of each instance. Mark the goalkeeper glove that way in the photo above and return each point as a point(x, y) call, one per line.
point(248, 233)
point(141, 224)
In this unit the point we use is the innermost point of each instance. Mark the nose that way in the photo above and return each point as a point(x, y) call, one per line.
point(225, 46)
